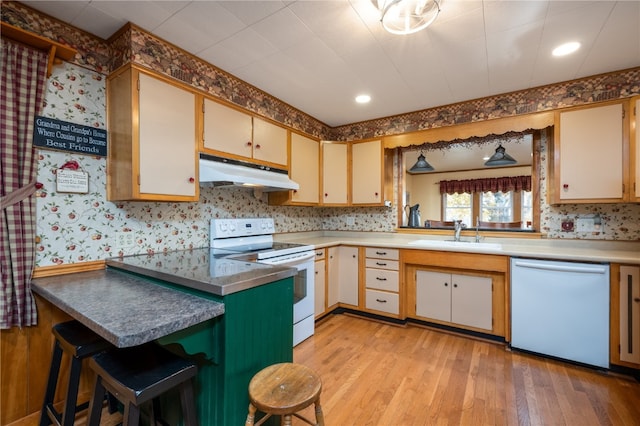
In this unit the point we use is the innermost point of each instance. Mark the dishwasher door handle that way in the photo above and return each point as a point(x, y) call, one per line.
point(550, 266)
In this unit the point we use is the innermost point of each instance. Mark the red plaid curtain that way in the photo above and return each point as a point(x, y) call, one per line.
point(500, 184)
point(23, 76)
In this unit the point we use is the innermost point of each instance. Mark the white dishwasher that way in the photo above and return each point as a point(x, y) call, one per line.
point(561, 309)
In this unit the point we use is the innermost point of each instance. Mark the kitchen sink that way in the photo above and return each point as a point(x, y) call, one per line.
point(465, 244)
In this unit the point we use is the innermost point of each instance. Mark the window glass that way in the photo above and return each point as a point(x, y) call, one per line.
point(457, 207)
point(527, 208)
point(496, 206)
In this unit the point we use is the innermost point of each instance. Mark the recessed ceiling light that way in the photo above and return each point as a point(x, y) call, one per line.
point(363, 99)
point(566, 49)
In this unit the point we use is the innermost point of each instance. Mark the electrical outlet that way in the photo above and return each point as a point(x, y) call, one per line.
point(351, 220)
point(125, 239)
point(567, 225)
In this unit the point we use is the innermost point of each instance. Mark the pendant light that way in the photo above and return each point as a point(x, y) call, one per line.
point(407, 16)
point(421, 166)
point(500, 158)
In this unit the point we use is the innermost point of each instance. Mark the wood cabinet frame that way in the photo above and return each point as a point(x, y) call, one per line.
point(495, 267)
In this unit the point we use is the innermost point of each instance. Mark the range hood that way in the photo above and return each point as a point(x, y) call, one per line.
point(225, 172)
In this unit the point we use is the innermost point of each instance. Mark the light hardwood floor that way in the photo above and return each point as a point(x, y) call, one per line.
point(375, 373)
point(379, 374)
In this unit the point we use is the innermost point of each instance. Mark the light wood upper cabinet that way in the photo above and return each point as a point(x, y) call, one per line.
point(352, 173)
point(304, 169)
point(269, 142)
point(367, 179)
point(152, 139)
point(227, 129)
point(232, 133)
point(335, 176)
point(591, 155)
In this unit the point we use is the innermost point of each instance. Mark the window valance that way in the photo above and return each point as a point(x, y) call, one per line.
point(499, 184)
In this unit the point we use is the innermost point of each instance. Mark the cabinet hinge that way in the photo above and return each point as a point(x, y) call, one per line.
point(138, 180)
point(138, 84)
point(203, 106)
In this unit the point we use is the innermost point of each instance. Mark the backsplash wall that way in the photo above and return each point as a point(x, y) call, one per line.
point(82, 227)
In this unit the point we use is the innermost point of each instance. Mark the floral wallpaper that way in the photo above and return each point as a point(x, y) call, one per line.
point(82, 227)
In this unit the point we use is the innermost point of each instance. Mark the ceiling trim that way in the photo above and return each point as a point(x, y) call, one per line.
point(496, 126)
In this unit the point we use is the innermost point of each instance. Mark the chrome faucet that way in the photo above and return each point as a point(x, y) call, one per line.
point(478, 237)
point(457, 227)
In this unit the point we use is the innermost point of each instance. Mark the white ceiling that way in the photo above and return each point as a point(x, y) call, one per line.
point(318, 55)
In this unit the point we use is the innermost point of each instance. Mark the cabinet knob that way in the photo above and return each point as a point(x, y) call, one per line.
point(637, 299)
point(326, 195)
point(565, 186)
point(258, 146)
point(354, 256)
point(446, 284)
point(295, 191)
point(455, 285)
point(191, 180)
point(249, 143)
point(376, 194)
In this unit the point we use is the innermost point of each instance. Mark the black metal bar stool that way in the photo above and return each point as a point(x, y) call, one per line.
point(140, 374)
point(79, 343)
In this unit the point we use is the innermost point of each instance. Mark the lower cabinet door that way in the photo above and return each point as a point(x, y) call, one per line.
point(471, 301)
point(433, 295)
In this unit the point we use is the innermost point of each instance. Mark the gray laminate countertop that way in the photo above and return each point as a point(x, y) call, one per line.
point(208, 270)
point(125, 309)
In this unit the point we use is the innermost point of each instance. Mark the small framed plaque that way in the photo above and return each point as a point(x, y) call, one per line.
point(72, 181)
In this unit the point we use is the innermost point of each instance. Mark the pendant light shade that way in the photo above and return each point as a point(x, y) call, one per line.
point(500, 158)
point(421, 166)
point(407, 16)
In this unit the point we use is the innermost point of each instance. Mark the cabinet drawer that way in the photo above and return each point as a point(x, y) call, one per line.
point(320, 254)
point(382, 264)
point(383, 301)
point(382, 279)
point(382, 253)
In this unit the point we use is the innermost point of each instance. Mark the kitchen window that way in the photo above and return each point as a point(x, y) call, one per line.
point(498, 200)
point(491, 207)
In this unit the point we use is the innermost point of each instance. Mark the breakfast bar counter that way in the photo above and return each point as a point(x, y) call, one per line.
point(125, 309)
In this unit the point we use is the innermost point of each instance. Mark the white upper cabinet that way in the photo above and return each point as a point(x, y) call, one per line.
point(230, 132)
point(366, 173)
point(335, 166)
point(152, 145)
point(590, 155)
point(269, 142)
point(305, 169)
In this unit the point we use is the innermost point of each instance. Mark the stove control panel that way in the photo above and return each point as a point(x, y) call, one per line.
point(230, 228)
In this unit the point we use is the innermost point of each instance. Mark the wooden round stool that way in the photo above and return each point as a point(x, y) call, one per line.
point(284, 389)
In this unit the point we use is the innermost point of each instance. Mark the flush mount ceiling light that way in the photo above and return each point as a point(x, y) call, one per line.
point(566, 49)
point(421, 166)
point(407, 16)
point(500, 158)
point(363, 99)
